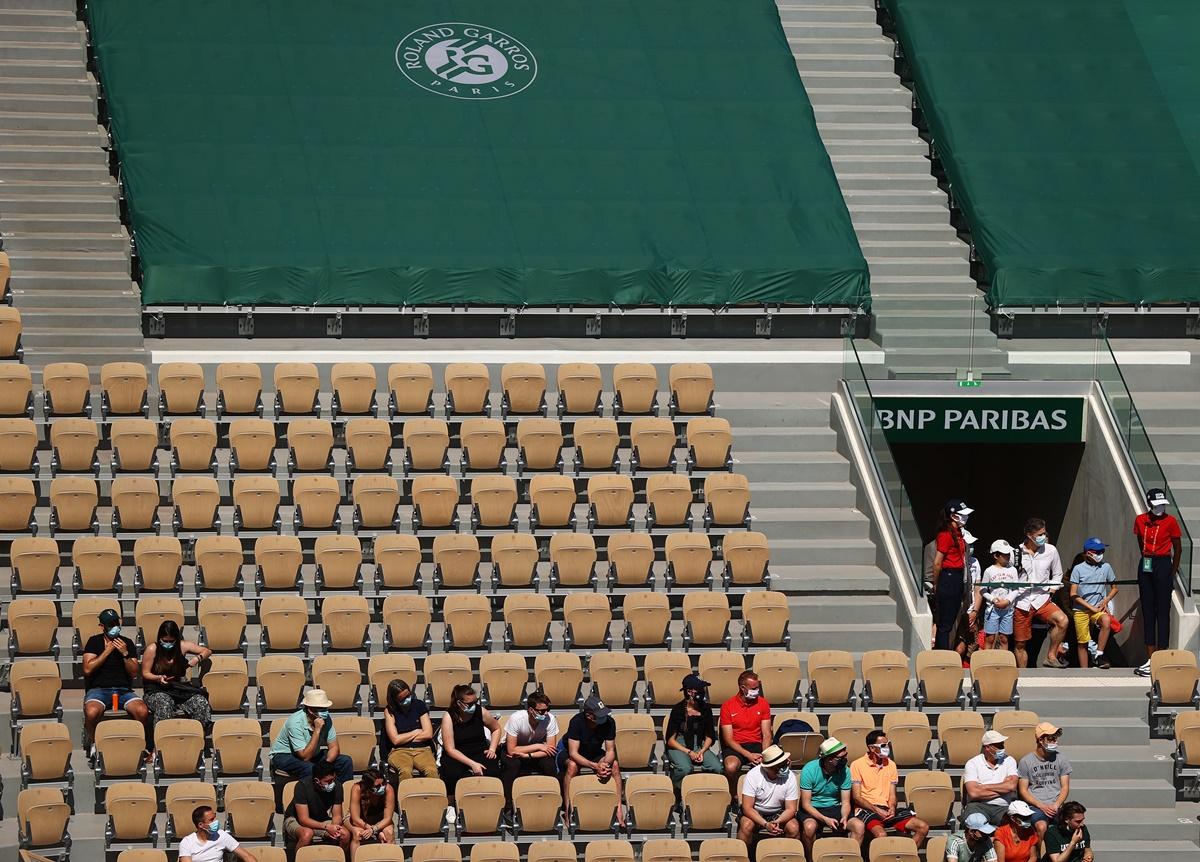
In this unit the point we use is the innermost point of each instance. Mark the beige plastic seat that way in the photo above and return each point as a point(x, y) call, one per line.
point(35, 565)
point(669, 500)
point(239, 389)
point(252, 446)
point(284, 622)
point(885, 677)
point(437, 851)
point(250, 810)
point(709, 444)
point(17, 501)
point(630, 561)
point(514, 561)
point(159, 562)
point(354, 385)
point(435, 502)
point(610, 502)
point(767, 616)
point(930, 795)
point(704, 803)
point(721, 668)
point(237, 745)
point(691, 388)
point(1187, 739)
point(120, 744)
point(779, 672)
point(406, 619)
point(689, 560)
point(480, 801)
point(539, 444)
point(1173, 677)
point(45, 751)
point(310, 445)
point(456, 561)
point(97, 562)
point(467, 385)
point(572, 560)
point(524, 388)
point(909, 733)
point(410, 389)
point(339, 677)
point(196, 500)
point(490, 851)
point(780, 850)
point(852, 729)
point(608, 850)
point(635, 389)
point(468, 621)
point(339, 562)
point(134, 445)
point(493, 502)
point(653, 440)
point(836, 850)
point(800, 747)
point(376, 503)
point(85, 617)
point(614, 677)
point(296, 388)
point(503, 678)
point(421, 803)
point(346, 620)
point(939, 678)
point(559, 675)
point(935, 848)
point(579, 387)
point(35, 686)
point(16, 390)
point(279, 678)
point(636, 737)
point(18, 445)
point(73, 501)
point(666, 850)
point(552, 502)
point(73, 441)
point(181, 389)
point(527, 621)
point(193, 446)
point(263, 853)
point(152, 611)
point(831, 674)
point(382, 669)
point(123, 388)
point(135, 502)
point(723, 850)
point(368, 445)
point(397, 562)
point(537, 803)
point(317, 500)
point(32, 627)
point(1019, 726)
point(43, 818)
point(596, 442)
point(226, 682)
point(255, 503)
point(219, 562)
point(726, 500)
point(179, 748)
point(483, 442)
point(442, 672)
point(277, 560)
point(893, 849)
point(664, 673)
point(994, 676)
point(593, 804)
point(184, 797)
point(647, 620)
point(67, 387)
point(960, 735)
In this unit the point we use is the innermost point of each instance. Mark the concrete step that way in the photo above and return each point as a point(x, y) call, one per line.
point(849, 61)
point(822, 552)
point(70, 261)
point(40, 137)
point(1153, 827)
point(27, 119)
point(888, 164)
point(794, 466)
point(927, 303)
point(82, 242)
point(866, 130)
point(79, 87)
point(1138, 793)
point(84, 316)
point(868, 610)
point(92, 357)
point(25, 67)
point(32, 172)
point(809, 522)
point(13, 47)
point(88, 294)
point(51, 281)
point(899, 114)
point(784, 440)
point(1144, 851)
point(906, 285)
point(921, 267)
point(803, 29)
point(960, 336)
point(899, 147)
point(785, 494)
point(859, 96)
point(815, 12)
point(843, 79)
point(822, 578)
point(20, 203)
point(24, 16)
point(70, 5)
point(885, 250)
point(14, 154)
point(84, 337)
point(817, 44)
point(863, 182)
point(57, 224)
point(899, 212)
point(48, 33)
point(905, 233)
point(850, 637)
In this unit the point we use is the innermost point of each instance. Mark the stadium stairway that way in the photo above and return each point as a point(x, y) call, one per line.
point(921, 286)
point(59, 213)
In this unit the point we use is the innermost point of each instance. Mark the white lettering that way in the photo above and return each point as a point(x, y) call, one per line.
point(1040, 421)
point(905, 419)
point(970, 420)
point(925, 417)
point(471, 32)
point(886, 419)
point(1058, 420)
point(952, 417)
point(1020, 420)
point(991, 420)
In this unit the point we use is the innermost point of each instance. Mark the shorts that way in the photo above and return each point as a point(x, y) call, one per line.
point(755, 747)
point(1023, 622)
point(833, 811)
point(125, 696)
point(291, 831)
point(898, 821)
point(998, 621)
point(1038, 816)
point(1083, 624)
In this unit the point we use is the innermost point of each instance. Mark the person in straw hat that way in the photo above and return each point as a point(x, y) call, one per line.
point(308, 737)
point(770, 798)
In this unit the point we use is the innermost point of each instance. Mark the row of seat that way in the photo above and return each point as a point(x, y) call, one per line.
point(124, 389)
point(10, 331)
point(75, 444)
point(135, 500)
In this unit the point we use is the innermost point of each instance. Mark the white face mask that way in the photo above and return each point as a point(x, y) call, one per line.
point(885, 751)
point(1160, 509)
point(961, 519)
point(753, 693)
point(1098, 558)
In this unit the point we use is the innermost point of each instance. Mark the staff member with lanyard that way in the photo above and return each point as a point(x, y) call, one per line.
point(949, 562)
point(1161, 544)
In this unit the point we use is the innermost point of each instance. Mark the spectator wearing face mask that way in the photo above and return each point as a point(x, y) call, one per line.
point(994, 599)
point(1044, 777)
point(165, 665)
point(974, 843)
point(467, 748)
point(1093, 586)
point(315, 813)
point(406, 743)
point(966, 639)
point(590, 743)
point(1040, 572)
point(308, 739)
point(873, 780)
point(1067, 839)
point(825, 796)
point(109, 665)
point(745, 728)
point(372, 807)
point(690, 734)
point(1160, 542)
point(989, 780)
point(209, 843)
point(1016, 840)
point(770, 798)
point(531, 742)
point(949, 567)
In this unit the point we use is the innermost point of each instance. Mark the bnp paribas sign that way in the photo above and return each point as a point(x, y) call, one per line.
point(980, 420)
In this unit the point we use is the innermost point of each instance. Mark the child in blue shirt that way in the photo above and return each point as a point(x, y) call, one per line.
point(1092, 588)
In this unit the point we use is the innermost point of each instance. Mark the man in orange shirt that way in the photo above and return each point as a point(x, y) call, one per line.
point(745, 728)
point(873, 779)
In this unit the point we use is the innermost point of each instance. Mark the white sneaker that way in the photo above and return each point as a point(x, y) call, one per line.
point(1092, 649)
point(1144, 670)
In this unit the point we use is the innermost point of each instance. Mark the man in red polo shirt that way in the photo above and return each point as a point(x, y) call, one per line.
point(745, 728)
point(1160, 543)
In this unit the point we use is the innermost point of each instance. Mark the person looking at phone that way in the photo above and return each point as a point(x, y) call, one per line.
point(165, 665)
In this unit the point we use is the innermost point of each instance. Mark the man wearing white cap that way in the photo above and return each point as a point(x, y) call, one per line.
point(307, 737)
point(989, 780)
point(1160, 542)
point(974, 844)
point(825, 787)
point(770, 798)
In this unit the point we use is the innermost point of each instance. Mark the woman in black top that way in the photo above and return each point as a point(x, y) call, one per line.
point(165, 665)
point(691, 732)
point(466, 749)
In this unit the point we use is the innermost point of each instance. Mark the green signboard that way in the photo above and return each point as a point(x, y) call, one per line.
point(980, 420)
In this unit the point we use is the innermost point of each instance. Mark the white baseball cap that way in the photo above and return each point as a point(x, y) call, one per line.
point(1001, 546)
point(994, 737)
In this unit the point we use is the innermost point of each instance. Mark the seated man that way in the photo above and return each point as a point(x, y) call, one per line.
point(109, 665)
point(1068, 839)
point(315, 813)
point(590, 743)
point(531, 742)
point(209, 843)
point(770, 798)
point(308, 738)
point(974, 844)
point(989, 780)
point(825, 796)
point(873, 779)
point(745, 728)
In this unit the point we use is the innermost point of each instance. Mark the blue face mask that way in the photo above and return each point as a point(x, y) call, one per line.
point(1040, 541)
point(167, 645)
point(406, 701)
point(324, 714)
point(114, 632)
point(541, 718)
point(470, 710)
point(380, 790)
point(213, 829)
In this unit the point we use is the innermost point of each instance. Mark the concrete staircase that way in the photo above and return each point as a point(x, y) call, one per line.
point(922, 291)
point(59, 216)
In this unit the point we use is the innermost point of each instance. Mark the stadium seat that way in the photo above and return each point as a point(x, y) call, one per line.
point(664, 673)
point(527, 619)
point(669, 500)
point(16, 390)
point(219, 561)
point(930, 795)
point(45, 750)
point(524, 388)
point(279, 679)
point(18, 445)
point(354, 385)
point(256, 503)
point(503, 678)
point(552, 502)
point(195, 500)
point(437, 851)
point(689, 558)
point(284, 621)
point(493, 503)
point(539, 445)
point(609, 850)
point(310, 445)
point(73, 444)
point(376, 503)
point(97, 562)
point(135, 502)
point(368, 445)
point(226, 681)
point(134, 445)
point(647, 620)
point(152, 611)
point(726, 501)
point(939, 679)
point(960, 735)
point(723, 850)
point(704, 803)
point(456, 559)
point(780, 850)
point(635, 389)
point(559, 675)
point(316, 499)
point(442, 672)
point(85, 620)
point(339, 677)
point(35, 686)
point(193, 446)
point(34, 564)
point(323, 852)
point(935, 848)
point(237, 747)
point(239, 389)
point(158, 564)
point(296, 389)
point(537, 807)
point(635, 739)
point(587, 617)
point(382, 669)
point(123, 388)
point(766, 619)
point(182, 798)
point(252, 446)
point(277, 561)
point(32, 627)
point(17, 501)
point(435, 503)
point(265, 853)
point(397, 562)
point(595, 442)
point(836, 850)
point(614, 676)
point(706, 617)
point(665, 850)
point(347, 620)
point(483, 442)
point(181, 389)
point(120, 744)
point(514, 561)
point(480, 802)
point(653, 444)
point(1187, 742)
point(67, 387)
point(572, 560)
point(610, 502)
point(884, 678)
point(1019, 726)
point(831, 678)
point(406, 619)
point(800, 746)
point(579, 387)
point(178, 749)
point(779, 672)
point(909, 733)
point(1173, 680)
point(630, 561)
point(467, 385)
point(43, 818)
point(73, 502)
point(339, 562)
point(994, 677)
point(495, 851)
point(893, 849)
point(852, 729)
point(593, 805)
point(468, 622)
point(421, 803)
point(410, 389)
point(691, 388)
point(721, 668)
point(250, 810)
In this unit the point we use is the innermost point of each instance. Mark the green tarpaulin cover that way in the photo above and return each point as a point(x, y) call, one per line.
point(435, 152)
point(1070, 132)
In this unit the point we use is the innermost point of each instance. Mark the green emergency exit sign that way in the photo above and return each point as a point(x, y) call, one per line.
point(972, 419)
point(969, 384)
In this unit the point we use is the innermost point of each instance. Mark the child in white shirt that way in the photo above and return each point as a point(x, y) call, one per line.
point(998, 616)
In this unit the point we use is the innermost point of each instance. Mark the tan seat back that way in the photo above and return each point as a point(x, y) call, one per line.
point(647, 618)
point(610, 500)
point(514, 559)
point(17, 501)
point(727, 496)
point(256, 502)
point(410, 387)
point(74, 441)
point(239, 388)
point(159, 560)
point(483, 442)
point(193, 442)
point(552, 500)
point(572, 559)
point(354, 386)
point(689, 560)
point(219, 561)
point(368, 444)
point(559, 675)
point(456, 560)
point(296, 387)
point(73, 500)
point(196, 499)
point(468, 618)
point(310, 442)
point(376, 501)
point(635, 388)
point(524, 387)
point(124, 386)
point(68, 388)
point(252, 445)
point(596, 442)
point(467, 385)
point(630, 560)
point(181, 388)
point(435, 501)
point(397, 560)
point(134, 444)
point(691, 388)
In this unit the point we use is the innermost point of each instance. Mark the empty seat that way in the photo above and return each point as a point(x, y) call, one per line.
point(994, 676)
point(280, 679)
point(67, 387)
point(587, 617)
point(152, 611)
point(939, 678)
point(193, 446)
point(357, 738)
point(596, 442)
point(35, 687)
point(514, 561)
point(552, 502)
point(635, 389)
point(178, 748)
point(893, 849)
point(488, 851)
point(721, 668)
point(339, 677)
point(226, 681)
point(277, 561)
point(480, 801)
point(406, 619)
point(709, 444)
point(537, 804)
point(284, 622)
point(726, 500)
point(310, 445)
point(579, 387)
point(609, 850)
point(43, 816)
point(368, 445)
point(135, 502)
point(422, 806)
point(630, 561)
point(442, 672)
point(158, 561)
point(123, 389)
point(346, 620)
point(909, 733)
point(18, 445)
point(339, 562)
point(239, 389)
point(524, 388)
point(665, 850)
point(669, 501)
point(691, 388)
point(196, 500)
point(493, 502)
point(647, 620)
point(437, 851)
point(653, 440)
point(32, 627)
point(723, 850)
point(296, 388)
point(45, 751)
point(73, 501)
point(960, 735)
point(97, 562)
point(767, 617)
point(539, 444)
point(250, 810)
point(610, 502)
point(382, 669)
point(251, 446)
point(467, 385)
point(836, 850)
point(468, 620)
point(930, 795)
point(435, 502)
point(16, 390)
point(572, 560)
point(483, 442)
point(831, 677)
point(852, 729)
point(354, 386)
point(885, 678)
point(614, 678)
point(73, 442)
point(397, 562)
point(410, 389)
point(17, 501)
point(120, 744)
point(503, 678)
point(780, 850)
point(255, 503)
point(664, 673)
point(1173, 678)
point(559, 675)
point(134, 445)
point(376, 503)
point(34, 565)
point(779, 673)
point(181, 389)
point(317, 500)
point(689, 560)
point(456, 561)
point(704, 803)
point(527, 621)
point(593, 804)
point(219, 562)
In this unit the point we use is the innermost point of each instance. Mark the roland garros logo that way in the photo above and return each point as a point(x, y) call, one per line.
point(466, 61)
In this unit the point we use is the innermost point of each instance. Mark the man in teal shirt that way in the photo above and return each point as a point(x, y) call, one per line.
point(308, 736)
point(825, 796)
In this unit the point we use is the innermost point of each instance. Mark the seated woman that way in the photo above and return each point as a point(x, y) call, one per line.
point(372, 807)
point(165, 665)
point(691, 732)
point(466, 748)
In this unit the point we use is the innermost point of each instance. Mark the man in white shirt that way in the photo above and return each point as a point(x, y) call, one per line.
point(1038, 565)
point(989, 780)
point(770, 798)
point(531, 742)
point(209, 842)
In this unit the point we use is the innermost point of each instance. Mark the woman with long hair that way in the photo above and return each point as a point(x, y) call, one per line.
point(372, 808)
point(949, 564)
point(466, 748)
point(165, 666)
